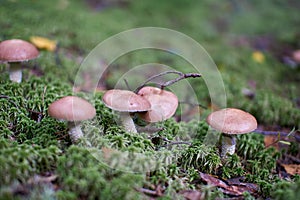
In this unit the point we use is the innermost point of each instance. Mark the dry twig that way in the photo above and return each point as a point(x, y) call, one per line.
point(170, 82)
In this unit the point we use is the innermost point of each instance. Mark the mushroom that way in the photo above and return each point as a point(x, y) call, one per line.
point(126, 102)
point(14, 52)
point(163, 104)
point(74, 110)
point(296, 56)
point(231, 122)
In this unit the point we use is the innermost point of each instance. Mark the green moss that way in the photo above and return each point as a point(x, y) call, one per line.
point(24, 107)
point(199, 156)
point(294, 148)
point(276, 110)
point(286, 189)
point(80, 173)
point(20, 162)
point(249, 145)
point(259, 163)
point(233, 167)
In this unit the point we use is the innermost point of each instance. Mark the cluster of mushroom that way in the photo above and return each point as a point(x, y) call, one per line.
point(150, 103)
point(14, 52)
point(231, 122)
point(153, 104)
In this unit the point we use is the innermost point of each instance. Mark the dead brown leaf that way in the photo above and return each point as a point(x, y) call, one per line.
point(292, 168)
point(192, 195)
point(158, 192)
point(236, 189)
point(271, 140)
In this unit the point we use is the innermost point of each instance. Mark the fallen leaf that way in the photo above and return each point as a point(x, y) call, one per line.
point(212, 180)
point(191, 194)
point(258, 57)
point(292, 168)
point(43, 43)
point(271, 140)
point(157, 192)
point(230, 189)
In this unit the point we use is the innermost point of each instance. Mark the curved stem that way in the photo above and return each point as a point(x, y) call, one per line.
point(280, 133)
point(127, 122)
point(75, 131)
point(228, 143)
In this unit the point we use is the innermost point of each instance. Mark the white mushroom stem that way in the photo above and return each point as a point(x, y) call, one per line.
point(228, 143)
point(75, 131)
point(127, 122)
point(15, 72)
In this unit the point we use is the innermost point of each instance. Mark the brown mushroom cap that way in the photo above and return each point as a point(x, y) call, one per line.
point(71, 108)
point(16, 50)
point(296, 56)
point(125, 101)
point(232, 121)
point(163, 104)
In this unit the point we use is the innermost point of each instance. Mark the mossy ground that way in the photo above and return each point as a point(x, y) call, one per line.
point(34, 145)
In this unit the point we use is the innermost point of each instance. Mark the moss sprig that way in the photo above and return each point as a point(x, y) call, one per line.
point(20, 162)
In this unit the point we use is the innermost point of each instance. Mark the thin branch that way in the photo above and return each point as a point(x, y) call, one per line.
point(154, 77)
point(182, 76)
point(56, 55)
point(283, 134)
point(168, 83)
point(174, 142)
point(39, 115)
point(4, 96)
point(127, 84)
point(193, 104)
point(148, 192)
point(297, 160)
point(273, 143)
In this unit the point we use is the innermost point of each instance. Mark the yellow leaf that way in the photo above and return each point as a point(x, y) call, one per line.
point(43, 43)
point(258, 57)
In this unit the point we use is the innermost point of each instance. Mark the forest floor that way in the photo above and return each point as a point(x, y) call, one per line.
point(251, 61)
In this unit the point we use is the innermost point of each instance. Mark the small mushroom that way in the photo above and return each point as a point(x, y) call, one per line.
point(163, 104)
point(231, 122)
point(126, 102)
point(74, 110)
point(14, 52)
